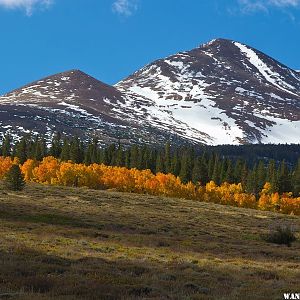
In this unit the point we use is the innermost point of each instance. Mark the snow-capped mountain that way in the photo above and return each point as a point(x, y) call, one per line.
point(76, 104)
point(228, 90)
point(222, 92)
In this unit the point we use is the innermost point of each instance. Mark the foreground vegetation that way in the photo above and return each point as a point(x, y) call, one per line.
point(77, 243)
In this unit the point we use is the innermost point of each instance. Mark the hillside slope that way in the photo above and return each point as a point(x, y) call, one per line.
point(64, 243)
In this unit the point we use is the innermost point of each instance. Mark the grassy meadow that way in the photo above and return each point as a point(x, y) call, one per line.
point(76, 243)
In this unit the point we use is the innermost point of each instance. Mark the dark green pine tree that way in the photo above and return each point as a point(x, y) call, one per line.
point(140, 159)
point(21, 150)
point(284, 179)
point(238, 170)
point(127, 158)
point(211, 164)
point(14, 179)
point(223, 168)
point(43, 147)
point(134, 156)
point(244, 176)
point(39, 149)
point(76, 151)
point(167, 158)
point(91, 152)
point(216, 171)
point(88, 155)
point(197, 171)
point(159, 164)
point(252, 186)
point(296, 180)
point(146, 158)
point(229, 175)
point(175, 163)
point(105, 159)
point(272, 176)
point(120, 157)
point(65, 151)
point(55, 148)
point(6, 146)
point(204, 170)
point(185, 173)
point(261, 175)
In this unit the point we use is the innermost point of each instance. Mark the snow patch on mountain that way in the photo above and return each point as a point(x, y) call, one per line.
point(269, 75)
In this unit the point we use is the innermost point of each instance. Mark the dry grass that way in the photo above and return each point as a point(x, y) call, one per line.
point(64, 243)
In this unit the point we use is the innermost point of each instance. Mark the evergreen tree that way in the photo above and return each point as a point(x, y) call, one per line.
point(127, 159)
point(39, 149)
point(238, 171)
point(296, 180)
point(76, 151)
point(216, 171)
point(261, 175)
point(159, 164)
point(244, 176)
point(167, 157)
point(14, 179)
point(65, 151)
point(211, 164)
point(134, 157)
point(284, 180)
point(252, 185)
point(21, 150)
point(229, 176)
point(272, 176)
point(55, 149)
point(196, 173)
point(120, 158)
point(6, 146)
point(175, 163)
point(185, 167)
point(223, 169)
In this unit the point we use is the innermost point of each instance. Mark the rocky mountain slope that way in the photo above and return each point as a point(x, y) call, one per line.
point(222, 92)
point(228, 90)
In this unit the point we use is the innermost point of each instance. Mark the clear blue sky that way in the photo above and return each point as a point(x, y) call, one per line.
point(110, 39)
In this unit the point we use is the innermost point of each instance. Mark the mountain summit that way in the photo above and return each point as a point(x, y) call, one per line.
point(226, 89)
point(222, 92)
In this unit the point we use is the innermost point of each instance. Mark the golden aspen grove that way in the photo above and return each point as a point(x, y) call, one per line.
point(53, 171)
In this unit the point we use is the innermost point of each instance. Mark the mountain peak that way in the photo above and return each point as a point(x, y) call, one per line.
point(217, 42)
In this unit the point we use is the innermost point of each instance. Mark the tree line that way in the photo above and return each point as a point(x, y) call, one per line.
point(53, 171)
point(230, 164)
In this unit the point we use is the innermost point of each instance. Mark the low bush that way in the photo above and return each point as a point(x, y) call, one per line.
point(283, 235)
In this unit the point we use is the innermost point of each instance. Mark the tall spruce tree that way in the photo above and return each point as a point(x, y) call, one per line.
point(244, 176)
point(185, 167)
point(65, 151)
point(261, 175)
point(197, 171)
point(14, 179)
point(21, 150)
point(296, 180)
point(175, 163)
point(167, 158)
point(229, 175)
point(55, 148)
point(160, 167)
point(284, 179)
point(6, 146)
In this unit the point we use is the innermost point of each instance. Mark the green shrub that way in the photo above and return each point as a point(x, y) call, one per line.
point(283, 235)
